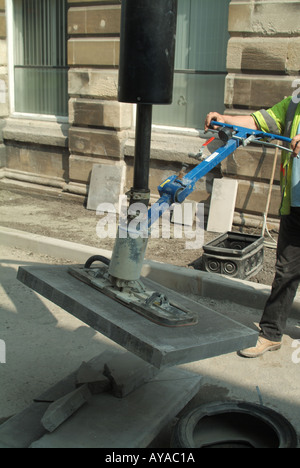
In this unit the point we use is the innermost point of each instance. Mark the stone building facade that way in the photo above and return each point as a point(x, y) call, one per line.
point(263, 62)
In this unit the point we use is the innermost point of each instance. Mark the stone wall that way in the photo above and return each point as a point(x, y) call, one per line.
point(99, 123)
point(263, 61)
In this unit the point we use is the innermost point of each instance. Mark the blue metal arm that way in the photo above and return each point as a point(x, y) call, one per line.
point(256, 133)
point(177, 190)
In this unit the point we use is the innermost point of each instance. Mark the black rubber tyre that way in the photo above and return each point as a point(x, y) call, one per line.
point(233, 425)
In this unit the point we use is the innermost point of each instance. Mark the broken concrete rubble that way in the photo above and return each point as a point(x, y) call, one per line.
point(60, 410)
point(128, 372)
point(92, 376)
point(120, 373)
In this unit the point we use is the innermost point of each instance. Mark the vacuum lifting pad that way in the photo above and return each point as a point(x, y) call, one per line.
point(147, 302)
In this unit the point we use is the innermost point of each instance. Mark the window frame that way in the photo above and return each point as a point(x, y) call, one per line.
point(186, 130)
point(11, 75)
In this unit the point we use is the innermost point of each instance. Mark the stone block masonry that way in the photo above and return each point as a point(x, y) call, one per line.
point(263, 62)
point(263, 53)
point(97, 119)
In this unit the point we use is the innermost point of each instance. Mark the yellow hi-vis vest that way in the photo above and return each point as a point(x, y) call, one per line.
point(282, 119)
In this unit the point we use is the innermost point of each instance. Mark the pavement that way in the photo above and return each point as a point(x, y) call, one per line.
point(43, 343)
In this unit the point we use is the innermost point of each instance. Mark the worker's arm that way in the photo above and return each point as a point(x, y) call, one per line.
point(239, 120)
point(295, 145)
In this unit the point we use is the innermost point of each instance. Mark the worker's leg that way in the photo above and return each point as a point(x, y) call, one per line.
point(287, 277)
point(284, 287)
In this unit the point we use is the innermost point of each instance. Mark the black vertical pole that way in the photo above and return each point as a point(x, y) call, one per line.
point(142, 151)
point(146, 73)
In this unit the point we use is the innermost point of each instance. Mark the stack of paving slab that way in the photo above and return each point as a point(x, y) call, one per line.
point(116, 400)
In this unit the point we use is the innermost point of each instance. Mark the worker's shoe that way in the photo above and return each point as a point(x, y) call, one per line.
point(262, 346)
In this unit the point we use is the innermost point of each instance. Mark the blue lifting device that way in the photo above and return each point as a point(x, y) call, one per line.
point(119, 278)
point(176, 190)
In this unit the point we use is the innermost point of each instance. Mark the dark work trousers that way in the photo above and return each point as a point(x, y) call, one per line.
point(287, 278)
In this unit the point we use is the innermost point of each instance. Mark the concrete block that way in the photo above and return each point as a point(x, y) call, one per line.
point(3, 52)
point(251, 163)
point(88, 20)
point(222, 205)
point(2, 25)
point(131, 422)
point(253, 54)
point(36, 132)
point(92, 376)
point(213, 335)
point(59, 411)
point(97, 51)
point(80, 168)
point(88, 141)
point(293, 56)
point(275, 18)
point(102, 84)
point(51, 163)
point(239, 17)
point(256, 91)
point(252, 196)
point(96, 113)
point(266, 18)
point(128, 372)
point(107, 184)
point(2, 155)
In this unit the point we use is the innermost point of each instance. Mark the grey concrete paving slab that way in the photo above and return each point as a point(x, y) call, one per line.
point(106, 185)
point(161, 346)
point(222, 205)
point(129, 422)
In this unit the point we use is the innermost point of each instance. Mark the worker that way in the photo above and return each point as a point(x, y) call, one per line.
point(283, 119)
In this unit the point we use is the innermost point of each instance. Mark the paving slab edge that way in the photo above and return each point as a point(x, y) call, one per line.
point(180, 279)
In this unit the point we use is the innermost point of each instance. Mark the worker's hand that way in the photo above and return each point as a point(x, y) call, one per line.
point(295, 145)
point(213, 116)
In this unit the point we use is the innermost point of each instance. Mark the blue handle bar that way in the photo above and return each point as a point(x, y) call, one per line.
point(257, 133)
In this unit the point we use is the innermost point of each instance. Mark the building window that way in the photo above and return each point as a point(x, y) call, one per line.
point(200, 63)
point(39, 57)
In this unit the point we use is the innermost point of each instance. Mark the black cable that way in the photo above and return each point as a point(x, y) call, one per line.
point(96, 258)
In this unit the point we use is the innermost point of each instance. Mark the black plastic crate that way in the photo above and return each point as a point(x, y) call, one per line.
point(234, 254)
